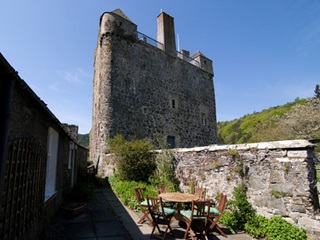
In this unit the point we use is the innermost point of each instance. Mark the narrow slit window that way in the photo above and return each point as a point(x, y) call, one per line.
point(173, 103)
point(203, 119)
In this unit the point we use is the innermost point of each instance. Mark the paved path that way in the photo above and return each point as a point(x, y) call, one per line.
point(107, 219)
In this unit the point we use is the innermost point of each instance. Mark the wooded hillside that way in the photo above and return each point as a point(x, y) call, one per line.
point(295, 120)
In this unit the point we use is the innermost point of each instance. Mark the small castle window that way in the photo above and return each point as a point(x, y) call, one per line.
point(173, 102)
point(144, 110)
point(171, 141)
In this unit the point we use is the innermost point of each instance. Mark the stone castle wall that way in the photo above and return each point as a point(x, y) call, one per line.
point(280, 177)
point(142, 90)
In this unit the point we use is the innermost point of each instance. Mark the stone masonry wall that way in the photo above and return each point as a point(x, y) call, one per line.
point(280, 177)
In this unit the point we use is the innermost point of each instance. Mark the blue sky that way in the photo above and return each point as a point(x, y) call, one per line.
point(265, 53)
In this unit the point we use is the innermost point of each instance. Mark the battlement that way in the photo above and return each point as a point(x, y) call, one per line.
point(183, 54)
point(117, 23)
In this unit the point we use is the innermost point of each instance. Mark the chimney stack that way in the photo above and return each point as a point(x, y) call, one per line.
point(165, 34)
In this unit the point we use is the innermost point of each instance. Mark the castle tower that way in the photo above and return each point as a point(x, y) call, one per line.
point(142, 88)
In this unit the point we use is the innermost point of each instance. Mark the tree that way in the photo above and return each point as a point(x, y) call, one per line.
point(317, 91)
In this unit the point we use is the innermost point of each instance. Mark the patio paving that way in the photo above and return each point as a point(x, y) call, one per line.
point(106, 218)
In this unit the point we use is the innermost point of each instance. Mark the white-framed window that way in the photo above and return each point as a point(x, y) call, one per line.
point(71, 161)
point(52, 155)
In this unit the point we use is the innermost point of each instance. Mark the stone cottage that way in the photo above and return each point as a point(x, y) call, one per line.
point(39, 160)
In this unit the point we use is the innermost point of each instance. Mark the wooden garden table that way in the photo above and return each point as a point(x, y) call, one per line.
point(179, 198)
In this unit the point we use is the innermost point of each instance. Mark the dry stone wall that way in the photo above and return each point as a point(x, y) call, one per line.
point(280, 176)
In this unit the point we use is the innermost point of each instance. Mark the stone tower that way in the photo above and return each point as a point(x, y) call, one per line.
point(143, 87)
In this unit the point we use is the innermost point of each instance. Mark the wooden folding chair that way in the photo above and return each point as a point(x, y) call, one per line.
point(215, 215)
point(196, 218)
point(200, 192)
point(138, 192)
point(160, 216)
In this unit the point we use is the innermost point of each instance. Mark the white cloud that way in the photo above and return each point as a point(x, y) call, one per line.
point(55, 87)
point(74, 77)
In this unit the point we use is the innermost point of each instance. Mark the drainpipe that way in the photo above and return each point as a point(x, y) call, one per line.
point(6, 89)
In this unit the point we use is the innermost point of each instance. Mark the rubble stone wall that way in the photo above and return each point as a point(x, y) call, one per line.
point(280, 176)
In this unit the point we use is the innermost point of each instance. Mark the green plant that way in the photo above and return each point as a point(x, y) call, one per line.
point(124, 190)
point(275, 228)
point(286, 167)
point(277, 194)
point(134, 159)
point(233, 152)
point(239, 210)
point(192, 184)
point(257, 226)
point(239, 167)
point(216, 164)
point(165, 172)
point(279, 228)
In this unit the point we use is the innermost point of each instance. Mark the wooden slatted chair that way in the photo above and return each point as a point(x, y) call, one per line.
point(161, 188)
point(138, 192)
point(196, 219)
point(160, 216)
point(215, 215)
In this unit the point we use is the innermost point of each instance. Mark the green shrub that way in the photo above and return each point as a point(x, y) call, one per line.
point(134, 159)
point(165, 172)
point(124, 190)
point(280, 229)
point(257, 226)
point(240, 216)
point(239, 210)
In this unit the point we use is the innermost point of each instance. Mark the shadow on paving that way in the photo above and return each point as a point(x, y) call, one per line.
point(107, 219)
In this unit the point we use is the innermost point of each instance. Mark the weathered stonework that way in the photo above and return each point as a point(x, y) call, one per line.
point(280, 176)
point(141, 89)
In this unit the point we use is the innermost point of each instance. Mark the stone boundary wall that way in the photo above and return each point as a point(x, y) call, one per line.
point(280, 176)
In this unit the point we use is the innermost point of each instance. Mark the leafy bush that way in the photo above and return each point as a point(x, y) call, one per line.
point(164, 173)
point(241, 216)
point(257, 226)
point(280, 229)
point(239, 210)
point(124, 190)
point(134, 159)
point(275, 228)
